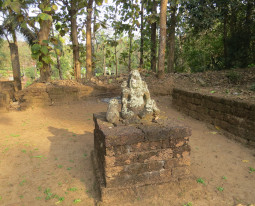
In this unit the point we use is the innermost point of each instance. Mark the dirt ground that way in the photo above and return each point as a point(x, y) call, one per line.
point(45, 160)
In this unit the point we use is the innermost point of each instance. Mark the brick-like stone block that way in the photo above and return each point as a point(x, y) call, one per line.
point(139, 155)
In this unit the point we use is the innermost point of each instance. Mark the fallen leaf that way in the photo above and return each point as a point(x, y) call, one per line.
point(218, 128)
point(245, 161)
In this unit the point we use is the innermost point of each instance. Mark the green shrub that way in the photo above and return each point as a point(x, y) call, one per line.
point(233, 77)
point(252, 88)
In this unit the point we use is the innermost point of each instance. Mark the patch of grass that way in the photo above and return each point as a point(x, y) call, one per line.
point(85, 155)
point(251, 170)
point(200, 180)
point(24, 151)
point(71, 161)
point(22, 182)
point(69, 168)
point(188, 204)
point(60, 199)
point(60, 166)
point(60, 184)
point(220, 189)
point(224, 178)
point(6, 149)
point(1, 197)
point(21, 196)
point(14, 135)
point(38, 156)
point(39, 188)
point(38, 198)
point(76, 200)
point(48, 193)
point(73, 189)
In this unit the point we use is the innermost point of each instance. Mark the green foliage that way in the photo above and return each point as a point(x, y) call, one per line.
point(251, 169)
point(252, 88)
point(200, 180)
point(233, 77)
point(220, 189)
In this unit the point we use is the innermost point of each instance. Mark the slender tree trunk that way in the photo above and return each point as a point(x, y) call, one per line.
point(15, 62)
point(154, 39)
point(115, 53)
point(248, 33)
point(45, 71)
point(59, 66)
point(130, 51)
point(225, 40)
point(162, 39)
point(171, 39)
point(88, 41)
point(94, 39)
point(115, 45)
point(75, 43)
point(58, 61)
point(142, 36)
point(104, 60)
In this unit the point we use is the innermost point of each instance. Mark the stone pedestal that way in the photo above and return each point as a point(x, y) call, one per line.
point(127, 158)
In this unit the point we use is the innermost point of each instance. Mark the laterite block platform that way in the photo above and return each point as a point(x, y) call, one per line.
point(127, 158)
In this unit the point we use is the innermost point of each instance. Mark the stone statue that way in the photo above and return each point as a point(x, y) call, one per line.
point(136, 101)
point(112, 114)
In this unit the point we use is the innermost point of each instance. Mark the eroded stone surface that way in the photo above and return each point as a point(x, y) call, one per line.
point(112, 114)
point(138, 154)
point(136, 101)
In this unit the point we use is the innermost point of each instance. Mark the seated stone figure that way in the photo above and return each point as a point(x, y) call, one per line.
point(136, 101)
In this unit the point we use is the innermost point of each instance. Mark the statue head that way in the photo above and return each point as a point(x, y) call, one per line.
point(135, 80)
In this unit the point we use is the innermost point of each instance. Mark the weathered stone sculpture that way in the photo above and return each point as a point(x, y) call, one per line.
point(112, 114)
point(136, 101)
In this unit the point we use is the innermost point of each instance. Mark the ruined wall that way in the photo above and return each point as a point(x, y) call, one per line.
point(7, 91)
point(40, 94)
point(235, 117)
point(138, 155)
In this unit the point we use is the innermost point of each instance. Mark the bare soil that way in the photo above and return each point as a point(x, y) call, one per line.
point(45, 160)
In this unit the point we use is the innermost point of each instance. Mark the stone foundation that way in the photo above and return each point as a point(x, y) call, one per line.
point(128, 157)
point(235, 118)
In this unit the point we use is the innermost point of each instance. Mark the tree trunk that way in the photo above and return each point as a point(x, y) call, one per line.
point(248, 34)
point(154, 39)
point(130, 51)
point(57, 57)
point(88, 41)
point(225, 41)
point(74, 37)
point(15, 65)
point(162, 39)
point(115, 45)
point(171, 40)
point(45, 71)
point(115, 53)
point(59, 67)
point(104, 61)
point(94, 40)
point(142, 36)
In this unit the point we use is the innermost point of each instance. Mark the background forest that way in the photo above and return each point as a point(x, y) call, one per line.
point(74, 39)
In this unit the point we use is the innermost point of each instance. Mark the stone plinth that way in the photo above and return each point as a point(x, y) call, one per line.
point(133, 156)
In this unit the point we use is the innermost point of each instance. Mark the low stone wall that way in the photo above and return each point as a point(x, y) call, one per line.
point(132, 156)
point(40, 94)
point(235, 117)
point(7, 91)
